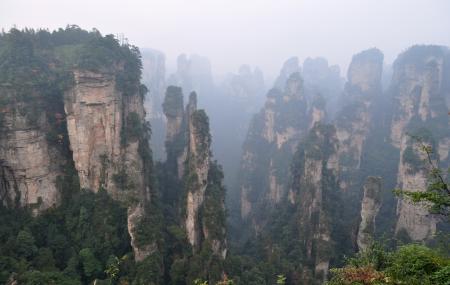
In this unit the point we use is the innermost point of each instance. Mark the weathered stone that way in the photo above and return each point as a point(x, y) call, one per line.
point(370, 206)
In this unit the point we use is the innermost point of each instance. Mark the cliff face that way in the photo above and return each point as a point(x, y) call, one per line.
point(103, 125)
point(188, 148)
point(289, 67)
point(29, 165)
point(420, 93)
point(370, 206)
point(94, 121)
point(324, 80)
point(315, 170)
point(273, 135)
point(413, 220)
point(355, 120)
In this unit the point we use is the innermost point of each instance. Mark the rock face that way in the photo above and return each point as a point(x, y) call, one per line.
point(94, 121)
point(290, 66)
point(189, 149)
point(413, 220)
point(173, 109)
point(420, 91)
point(323, 80)
point(273, 135)
point(315, 170)
point(29, 165)
point(355, 120)
point(370, 206)
point(102, 124)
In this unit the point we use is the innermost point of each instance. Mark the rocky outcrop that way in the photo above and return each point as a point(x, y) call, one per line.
point(198, 152)
point(420, 89)
point(94, 122)
point(370, 206)
point(323, 80)
point(290, 67)
point(414, 221)
point(273, 135)
point(315, 171)
point(173, 110)
point(105, 128)
point(190, 146)
point(355, 120)
point(29, 164)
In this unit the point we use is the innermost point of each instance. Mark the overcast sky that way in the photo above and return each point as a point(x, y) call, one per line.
point(256, 32)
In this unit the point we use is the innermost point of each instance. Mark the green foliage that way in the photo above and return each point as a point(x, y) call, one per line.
point(281, 280)
point(200, 123)
point(134, 126)
point(122, 180)
point(74, 241)
point(46, 278)
point(173, 102)
point(213, 211)
point(25, 244)
point(409, 264)
point(91, 266)
point(149, 271)
point(412, 159)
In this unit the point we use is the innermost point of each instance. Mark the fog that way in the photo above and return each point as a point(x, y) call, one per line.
point(257, 32)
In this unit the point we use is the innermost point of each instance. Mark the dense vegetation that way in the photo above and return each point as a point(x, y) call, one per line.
point(408, 264)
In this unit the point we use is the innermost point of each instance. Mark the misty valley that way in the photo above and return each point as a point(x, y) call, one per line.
point(117, 169)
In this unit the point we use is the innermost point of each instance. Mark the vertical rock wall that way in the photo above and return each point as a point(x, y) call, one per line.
point(29, 166)
point(370, 206)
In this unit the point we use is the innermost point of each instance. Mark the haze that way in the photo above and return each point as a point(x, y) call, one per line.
point(260, 33)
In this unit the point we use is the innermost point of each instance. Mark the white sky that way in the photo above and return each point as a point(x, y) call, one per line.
point(256, 32)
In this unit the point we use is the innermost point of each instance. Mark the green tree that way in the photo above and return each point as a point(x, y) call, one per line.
point(25, 244)
point(91, 266)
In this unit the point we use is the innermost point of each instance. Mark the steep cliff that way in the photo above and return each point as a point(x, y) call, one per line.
point(33, 140)
point(420, 91)
point(289, 67)
point(273, 135)
point(315, 183)
point(369, 209)
point(197, 182)
point(323, 80)
point(355, 121)
point(106, 129)
point(29, 164)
